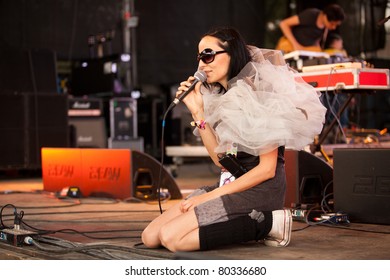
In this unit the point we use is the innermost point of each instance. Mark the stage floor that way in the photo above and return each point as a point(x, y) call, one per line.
point(102, 228)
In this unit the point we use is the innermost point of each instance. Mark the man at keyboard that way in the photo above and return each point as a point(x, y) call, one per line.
point(308, 30)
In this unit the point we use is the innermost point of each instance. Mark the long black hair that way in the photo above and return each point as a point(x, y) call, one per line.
point(232, 42)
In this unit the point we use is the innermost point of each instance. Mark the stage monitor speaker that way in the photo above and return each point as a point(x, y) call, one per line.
point(88, 132)
point(308, 178)
point(28, 122)
point(362, 184)
point(146, 175)
point(115, 173)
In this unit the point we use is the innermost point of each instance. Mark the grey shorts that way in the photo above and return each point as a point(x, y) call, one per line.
point(211, 211)
point(267, 196)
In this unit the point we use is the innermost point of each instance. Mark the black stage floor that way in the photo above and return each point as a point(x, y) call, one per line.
point(102, 228)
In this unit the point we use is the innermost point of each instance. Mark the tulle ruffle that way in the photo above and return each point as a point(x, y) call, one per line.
point(267, 105)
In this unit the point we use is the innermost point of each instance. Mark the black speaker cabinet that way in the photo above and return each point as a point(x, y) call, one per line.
point(308, 178)
point(362, 184)
point(28, 70)
point(88, 132)
point(28, 122)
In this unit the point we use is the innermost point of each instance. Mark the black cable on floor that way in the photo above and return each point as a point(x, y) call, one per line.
point(84, 248)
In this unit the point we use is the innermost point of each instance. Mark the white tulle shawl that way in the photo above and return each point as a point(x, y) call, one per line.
point(266, 106)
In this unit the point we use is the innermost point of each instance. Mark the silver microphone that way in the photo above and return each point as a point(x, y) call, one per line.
point(200, 76)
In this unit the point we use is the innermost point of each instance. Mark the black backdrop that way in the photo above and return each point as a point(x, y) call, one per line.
point(168, 30)
point(166, 35)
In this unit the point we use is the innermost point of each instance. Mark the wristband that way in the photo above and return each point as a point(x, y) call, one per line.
point(199, 124)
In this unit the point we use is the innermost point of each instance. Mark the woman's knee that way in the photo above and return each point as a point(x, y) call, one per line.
point(168, 238)
point(150, 238)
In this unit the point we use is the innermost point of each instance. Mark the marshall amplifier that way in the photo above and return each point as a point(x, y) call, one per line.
point(81, 107)
point(87, 123)
point(88, 132)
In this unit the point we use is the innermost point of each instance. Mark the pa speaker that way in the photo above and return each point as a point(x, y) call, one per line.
point(28, 122)
point(25, 70)
point(309, 178)
point(362, 184)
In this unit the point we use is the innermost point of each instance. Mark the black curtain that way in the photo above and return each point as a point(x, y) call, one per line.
point(166, 35)
point(360, 30)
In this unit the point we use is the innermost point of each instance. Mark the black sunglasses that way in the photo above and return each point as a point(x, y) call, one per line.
point(208, 55)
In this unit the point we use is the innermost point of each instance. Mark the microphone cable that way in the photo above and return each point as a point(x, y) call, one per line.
point(162, 158)
point(200, 76)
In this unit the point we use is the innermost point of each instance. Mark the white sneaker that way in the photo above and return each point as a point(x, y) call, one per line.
point(280, 234)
